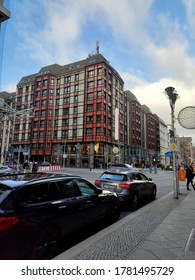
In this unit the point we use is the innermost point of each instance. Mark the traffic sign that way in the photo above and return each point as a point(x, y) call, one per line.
point(173, 147)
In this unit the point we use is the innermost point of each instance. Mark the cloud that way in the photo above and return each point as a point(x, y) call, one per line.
point(153, 95)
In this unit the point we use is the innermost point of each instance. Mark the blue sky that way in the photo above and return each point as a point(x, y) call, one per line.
point(149, 42)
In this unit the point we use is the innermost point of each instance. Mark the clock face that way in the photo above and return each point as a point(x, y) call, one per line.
point(186, 117)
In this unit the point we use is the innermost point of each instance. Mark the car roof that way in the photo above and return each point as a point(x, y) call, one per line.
point(18, 180)
point(122, 171)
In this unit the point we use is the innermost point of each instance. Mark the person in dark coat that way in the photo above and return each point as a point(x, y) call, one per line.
point(34, 166)
point(189, 177)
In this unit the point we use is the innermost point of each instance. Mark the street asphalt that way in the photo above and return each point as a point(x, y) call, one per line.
point(161, 230)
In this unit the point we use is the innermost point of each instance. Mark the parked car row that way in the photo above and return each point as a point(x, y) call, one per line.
point(38, 209)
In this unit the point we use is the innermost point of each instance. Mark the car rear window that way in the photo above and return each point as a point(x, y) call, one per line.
point(4, 192)
point(114, 177)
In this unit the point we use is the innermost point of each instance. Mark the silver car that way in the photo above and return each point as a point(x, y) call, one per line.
point(6, 170)
point(131, 186)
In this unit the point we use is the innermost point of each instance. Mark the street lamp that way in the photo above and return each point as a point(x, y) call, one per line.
point(172, 95)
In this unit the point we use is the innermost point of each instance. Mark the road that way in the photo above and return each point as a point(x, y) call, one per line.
point(163, 180)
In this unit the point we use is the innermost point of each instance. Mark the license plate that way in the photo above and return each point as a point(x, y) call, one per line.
point(109, 187)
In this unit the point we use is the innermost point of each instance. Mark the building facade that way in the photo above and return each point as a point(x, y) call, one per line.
point(79, 115)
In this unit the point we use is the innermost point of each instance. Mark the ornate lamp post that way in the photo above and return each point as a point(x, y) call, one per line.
point(172, 95)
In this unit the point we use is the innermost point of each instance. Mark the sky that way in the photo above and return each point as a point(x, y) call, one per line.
point(151, 44)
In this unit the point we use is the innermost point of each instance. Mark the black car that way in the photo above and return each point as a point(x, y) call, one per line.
point(131, 186)
point(37, 210)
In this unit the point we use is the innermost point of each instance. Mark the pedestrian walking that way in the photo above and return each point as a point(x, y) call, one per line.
point(189, 177)
point(34, 166)
point(26, 166)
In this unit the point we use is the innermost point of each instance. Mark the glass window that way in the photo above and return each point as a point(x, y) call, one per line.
point(36, 194)
point(89, 131)
point(91, 73)
point(90, 96)
point(68, 189)
point(85, 187)
point(54, 193)
point(90, 85)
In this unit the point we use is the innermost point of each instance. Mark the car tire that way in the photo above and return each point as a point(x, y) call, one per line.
point(46, 244)
point(153, 195)
point(135, 202)
point(113, 214)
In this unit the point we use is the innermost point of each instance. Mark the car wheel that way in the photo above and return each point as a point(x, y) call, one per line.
point(113, 214)
point(46, 244)
point(153, 195)
point(135, 202)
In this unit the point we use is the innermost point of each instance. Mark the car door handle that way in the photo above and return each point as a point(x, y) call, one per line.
point(62, 207)
point(88, 201)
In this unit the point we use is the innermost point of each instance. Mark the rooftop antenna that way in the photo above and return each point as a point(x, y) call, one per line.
point(97, 47)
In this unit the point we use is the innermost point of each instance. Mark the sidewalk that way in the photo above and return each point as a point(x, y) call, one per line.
point(163, 230)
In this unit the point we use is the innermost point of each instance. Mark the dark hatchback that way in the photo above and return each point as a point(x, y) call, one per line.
point(37, 210)
point(131, 186)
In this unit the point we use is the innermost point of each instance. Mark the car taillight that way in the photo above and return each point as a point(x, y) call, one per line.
point(125, 185)
point(8, 222)
point(97, 182)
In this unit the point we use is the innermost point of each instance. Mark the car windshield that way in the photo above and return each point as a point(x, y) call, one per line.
point(114, 177)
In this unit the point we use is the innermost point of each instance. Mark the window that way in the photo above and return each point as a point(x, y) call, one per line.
point(99, 106)
point(99, 94)
point(90, 108)
point(43, 113)
point(38, 83)
point(65, 111)
point(36, 194)
point(41, 134)
point(64, 122)
point(90, 119)
point(98, 118)
point(44, 92)
point(89, 131)
point(76, 88)
point(37, 104)
point(76, 77)
point(43, 103)
point(91, 73)
point(75, 110)
point(67, 90)
point(66, 100)
point(74, 133)
point(45, 82)
point(38, 93)
point(68, 189)
point(98, 131)
point(67, 79)
point(58, 81)
point(75, 98)
point(99, 71)
point(42, 123)
point(85, 187)
point(90, 96)
point(90, 85)
point(99, 83)
point(36, 124)
point(74, 121)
